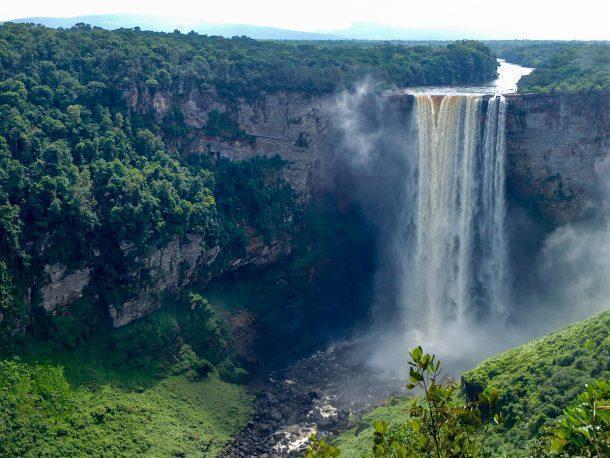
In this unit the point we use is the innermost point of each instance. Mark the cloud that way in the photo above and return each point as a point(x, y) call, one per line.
point(520, 19)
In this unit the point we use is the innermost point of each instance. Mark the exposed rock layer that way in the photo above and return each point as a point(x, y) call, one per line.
point(553, 145)
point(291, 125)
point(168, 268)
point(63, 286)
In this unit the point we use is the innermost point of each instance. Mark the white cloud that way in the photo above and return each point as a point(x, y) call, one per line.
point(551, 19)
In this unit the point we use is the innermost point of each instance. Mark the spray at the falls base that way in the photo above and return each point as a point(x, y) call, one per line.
point(451, 233)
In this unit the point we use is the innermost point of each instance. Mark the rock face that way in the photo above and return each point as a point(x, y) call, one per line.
point(291, 125)
point(62, 286)
point(168, 269)
point(165, 271)
point(177, 264)
point(554, 143)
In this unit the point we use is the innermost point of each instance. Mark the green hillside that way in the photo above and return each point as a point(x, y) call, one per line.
point(79, 404)
point(536, 381)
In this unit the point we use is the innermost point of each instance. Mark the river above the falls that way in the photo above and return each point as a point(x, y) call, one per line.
point(506, 83)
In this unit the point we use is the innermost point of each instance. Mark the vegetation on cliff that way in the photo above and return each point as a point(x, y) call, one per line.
point(85, 181)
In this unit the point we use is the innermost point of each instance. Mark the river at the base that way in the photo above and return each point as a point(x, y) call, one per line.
point(325, 393)
point(329, 391)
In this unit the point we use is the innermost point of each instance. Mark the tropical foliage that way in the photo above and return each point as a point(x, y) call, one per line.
point(584, 427)
point(540, 379)
point(563, 67)
point(440, 422)
point(237, 67)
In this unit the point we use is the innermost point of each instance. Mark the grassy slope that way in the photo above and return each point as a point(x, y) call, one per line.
point(79, 405)
point(537, 380)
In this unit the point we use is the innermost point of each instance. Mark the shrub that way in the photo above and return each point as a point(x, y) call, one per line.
point(584, 428)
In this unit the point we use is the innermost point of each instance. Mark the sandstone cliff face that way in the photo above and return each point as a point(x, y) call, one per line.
point(553, 145)
point(167, 269)
point(291, 125)
point(62, 286)
point(178, 263)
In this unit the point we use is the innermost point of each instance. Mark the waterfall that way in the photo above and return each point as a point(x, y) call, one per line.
point(457, 253)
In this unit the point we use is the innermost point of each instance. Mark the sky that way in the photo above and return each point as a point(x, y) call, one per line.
point(533, 19)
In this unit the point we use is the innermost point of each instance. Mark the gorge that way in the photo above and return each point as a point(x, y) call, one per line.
point(452, 266)
point(220, 246)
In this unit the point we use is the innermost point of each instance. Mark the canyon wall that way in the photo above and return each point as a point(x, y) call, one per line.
point(291, 125)
point(553, 144)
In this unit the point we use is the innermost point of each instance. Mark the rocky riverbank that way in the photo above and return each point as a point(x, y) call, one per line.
point(325, 393)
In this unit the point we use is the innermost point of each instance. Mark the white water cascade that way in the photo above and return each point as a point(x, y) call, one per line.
point(456, 265)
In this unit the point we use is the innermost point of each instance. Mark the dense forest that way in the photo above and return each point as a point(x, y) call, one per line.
point(239, 66)
point(560, 66)
point(83, 178)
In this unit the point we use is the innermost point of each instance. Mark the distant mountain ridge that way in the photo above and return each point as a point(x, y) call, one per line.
point(368, 31)
point(357, 31)
point(161, 24)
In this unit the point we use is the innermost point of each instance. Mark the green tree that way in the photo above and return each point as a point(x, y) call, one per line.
point(584, 428)
point(320, 448)
point(441, 423)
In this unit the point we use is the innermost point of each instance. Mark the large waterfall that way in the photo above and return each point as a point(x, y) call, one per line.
point(456, 265)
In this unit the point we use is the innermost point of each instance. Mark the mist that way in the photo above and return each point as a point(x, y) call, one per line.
point(374, 164)
point(571, 274)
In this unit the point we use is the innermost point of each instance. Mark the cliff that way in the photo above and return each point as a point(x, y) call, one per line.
point(553, 145)
point(292, 125)
point(554, 142)
point(164, 270)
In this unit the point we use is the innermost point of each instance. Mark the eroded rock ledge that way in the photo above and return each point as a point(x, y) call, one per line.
point(168, 269)
point(554, 143)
